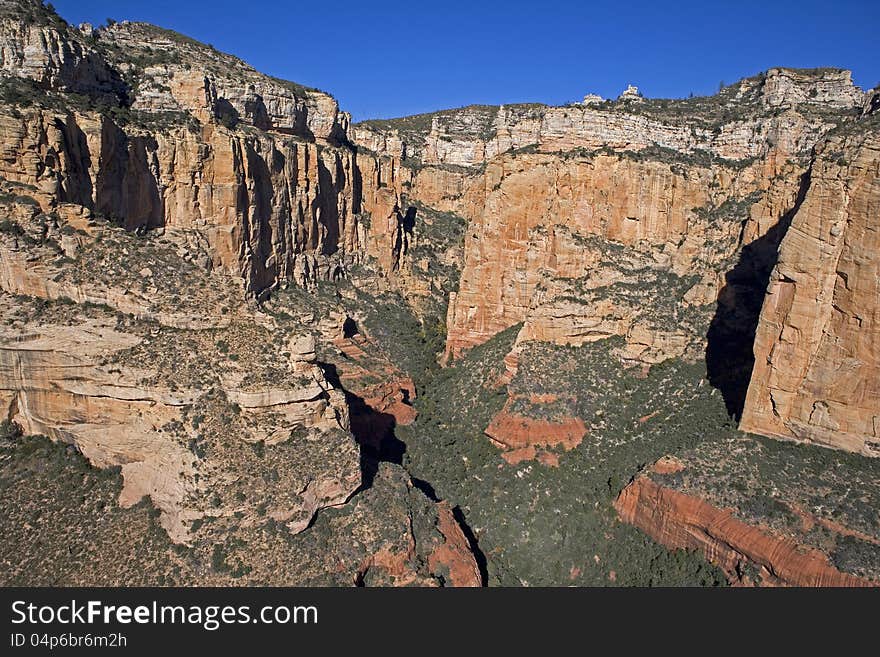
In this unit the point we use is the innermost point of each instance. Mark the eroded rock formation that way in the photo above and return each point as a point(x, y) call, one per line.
point(817, 347)
point(214, 282)
point(771, 533)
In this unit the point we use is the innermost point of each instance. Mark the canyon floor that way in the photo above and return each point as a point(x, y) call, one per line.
point(243, 341)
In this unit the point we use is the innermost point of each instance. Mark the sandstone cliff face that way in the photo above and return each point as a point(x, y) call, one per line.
point(817, 348)
point(184, 136)
point(161, 434)
point(535, 242)
point(168, 71)
point(271, 208)
point(145, 176)
point(766, 111)
point(145, 379)
point(548, 192)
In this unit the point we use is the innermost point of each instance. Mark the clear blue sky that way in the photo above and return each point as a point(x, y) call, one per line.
point(392, 58)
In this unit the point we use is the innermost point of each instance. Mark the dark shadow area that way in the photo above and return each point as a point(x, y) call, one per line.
point(426, 488)
point(338, 137)
point(255, 110)
point(301, 128)
point(479, 557)
point(143, 206)
point(349, 328)
point(372, 429)
point(255, 203)
point(357, 188)
point(730, 340)
point(76, 184)
point(873, 104)
point(409, 219)
point(331, 183)
point(226, 114)
point(405, 223)
point(126, 190)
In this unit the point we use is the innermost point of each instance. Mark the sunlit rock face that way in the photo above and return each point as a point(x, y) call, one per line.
point(817, 347)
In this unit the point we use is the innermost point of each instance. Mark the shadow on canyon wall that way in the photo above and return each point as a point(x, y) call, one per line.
point(730, 340)
point(406, 222)
point(373, 430)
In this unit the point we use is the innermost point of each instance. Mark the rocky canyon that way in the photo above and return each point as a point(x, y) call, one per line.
point(245, 340)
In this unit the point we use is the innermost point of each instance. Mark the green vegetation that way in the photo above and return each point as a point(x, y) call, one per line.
point(221, 556)
point(420, 124)
point(62, 523)
point(857, 556)
point(10, 430)
point(24, 93)
point(679, 159)
point(733, 103)
point(298, 90)
point(32, 13)
point(11, 227)
point(518, 510)
point(730, 210)
point(408, 343)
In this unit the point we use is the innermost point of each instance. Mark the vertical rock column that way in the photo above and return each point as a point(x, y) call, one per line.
point(817, 348)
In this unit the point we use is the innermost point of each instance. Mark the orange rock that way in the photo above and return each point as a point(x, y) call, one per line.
point(511, 431)
point(519, 455)
point(817, 345)
point(454, 554)
point(678, 520)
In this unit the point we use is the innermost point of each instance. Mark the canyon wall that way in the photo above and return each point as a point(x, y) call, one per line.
point(271, 208)
point(581, 216)
point(475, 135)
point(154, 130)
point(764, 541)
point(817, 347)
point(548, 192)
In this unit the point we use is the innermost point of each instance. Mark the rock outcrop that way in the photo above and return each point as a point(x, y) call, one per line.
point(683, 522)
point(817, 347)
point(390, 534)
point(36, 44)
point(742, 121)
point(130, 394)
point(153, 129)
point(705, 501)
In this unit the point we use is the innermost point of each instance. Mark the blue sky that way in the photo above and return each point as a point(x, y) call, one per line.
point(392, 58)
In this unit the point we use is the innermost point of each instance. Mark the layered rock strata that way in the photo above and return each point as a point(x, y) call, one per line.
point(758, 530)
point(817, 347)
